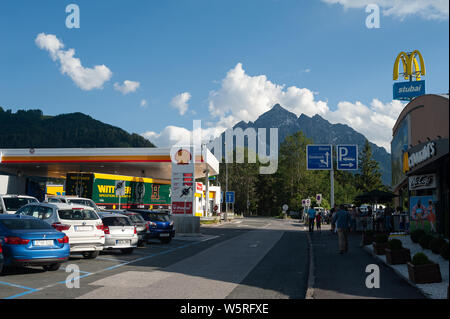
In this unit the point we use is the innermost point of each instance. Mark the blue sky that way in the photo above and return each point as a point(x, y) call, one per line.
point(230, 58)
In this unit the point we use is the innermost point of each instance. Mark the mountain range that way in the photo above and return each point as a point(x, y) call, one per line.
point(32, 129)
point(319, 130)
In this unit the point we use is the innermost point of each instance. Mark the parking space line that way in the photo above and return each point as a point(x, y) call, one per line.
point(31, 290)
point(112, 259)
point(17, 286)
point(28, 289)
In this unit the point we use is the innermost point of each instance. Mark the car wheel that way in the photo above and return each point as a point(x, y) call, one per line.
point(141, 243)
point(4, 270)
point(166, 240)
point(52, 267)
point(90, 254)
point(127, 250)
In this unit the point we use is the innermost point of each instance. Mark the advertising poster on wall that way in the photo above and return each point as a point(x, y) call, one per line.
point(423, 213)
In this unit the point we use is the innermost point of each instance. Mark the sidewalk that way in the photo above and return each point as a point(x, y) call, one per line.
point(435, 290)
point(344, 277)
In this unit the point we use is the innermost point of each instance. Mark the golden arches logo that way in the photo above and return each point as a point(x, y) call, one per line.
point(410, 65)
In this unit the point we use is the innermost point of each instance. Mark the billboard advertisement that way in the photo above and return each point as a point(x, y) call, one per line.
point(399, 145)
point(423, 213)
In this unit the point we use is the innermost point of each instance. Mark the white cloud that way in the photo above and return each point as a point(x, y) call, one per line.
point(85, 78)
point(245, 97)
point(375, 121)
point(127, 87)
point(143, 103)
point(180, 102)
point(427, 9)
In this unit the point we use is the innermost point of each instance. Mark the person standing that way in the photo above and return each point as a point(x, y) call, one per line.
point(342, 221)
point(319, 221)
point(311, 217)
point(333, 212)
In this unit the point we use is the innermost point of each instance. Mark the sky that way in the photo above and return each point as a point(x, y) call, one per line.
point(152, 67)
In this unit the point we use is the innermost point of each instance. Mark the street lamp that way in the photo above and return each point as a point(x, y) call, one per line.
point(226, 183)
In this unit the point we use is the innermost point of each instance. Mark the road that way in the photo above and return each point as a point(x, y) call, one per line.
point(249, 258)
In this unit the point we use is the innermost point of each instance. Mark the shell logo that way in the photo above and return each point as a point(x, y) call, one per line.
point(183, 157)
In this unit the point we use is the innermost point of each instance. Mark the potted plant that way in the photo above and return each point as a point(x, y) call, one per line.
point(396, 254)
point(436, 244)
point(424, 241)
point(368, 237)
point(423, 271)
point(416, 234)
point(380, 244)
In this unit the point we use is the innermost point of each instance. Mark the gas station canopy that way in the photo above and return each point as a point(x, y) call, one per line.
point(139, 162)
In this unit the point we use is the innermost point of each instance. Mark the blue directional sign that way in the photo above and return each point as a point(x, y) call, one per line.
point(347, 157)
point(319, 157)
point(229, 197)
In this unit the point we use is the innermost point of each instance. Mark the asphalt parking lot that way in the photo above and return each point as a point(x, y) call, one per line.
point(26, 281)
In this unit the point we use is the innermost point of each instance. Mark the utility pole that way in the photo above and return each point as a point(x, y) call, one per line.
point(226, 183)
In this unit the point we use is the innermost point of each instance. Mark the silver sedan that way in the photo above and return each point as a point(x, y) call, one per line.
point(120, 233)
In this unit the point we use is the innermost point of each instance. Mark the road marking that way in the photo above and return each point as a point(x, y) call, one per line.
point(31, 290)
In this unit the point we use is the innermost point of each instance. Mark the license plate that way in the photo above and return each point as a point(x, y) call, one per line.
point(43, 243)
point(164, 235)
point(83, 228)
point(122, 242)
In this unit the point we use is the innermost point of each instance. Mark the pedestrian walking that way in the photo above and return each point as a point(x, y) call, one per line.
point(333, 212)
point(342, 221)
point(353, 218)
point(319, 221)
point(312, 216)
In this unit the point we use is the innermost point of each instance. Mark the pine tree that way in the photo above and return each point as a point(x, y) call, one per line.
point(370, 176)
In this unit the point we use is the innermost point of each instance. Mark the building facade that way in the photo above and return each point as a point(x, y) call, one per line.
point(419, 154)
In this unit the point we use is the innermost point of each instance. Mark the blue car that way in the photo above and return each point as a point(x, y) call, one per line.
point(159, 225)
point(29, 241)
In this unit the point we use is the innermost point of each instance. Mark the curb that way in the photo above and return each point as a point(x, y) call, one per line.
point(311, 278)
point(397, 272)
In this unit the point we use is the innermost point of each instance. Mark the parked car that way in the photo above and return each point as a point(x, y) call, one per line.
point(10, 203)
point(73, 200)
point(137, 221)
point(120, 233)
point(160, 225)
point(1, 258)
point(29, 241)
point(81, 224)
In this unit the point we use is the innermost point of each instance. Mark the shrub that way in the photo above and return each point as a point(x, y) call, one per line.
point(395, 244)
point(381, 238)
point(436, 244)
point(444, 251)
point(416, 234)
point(424, 241)
point(420, 259)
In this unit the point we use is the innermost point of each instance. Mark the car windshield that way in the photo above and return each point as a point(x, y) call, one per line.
point(14, 203)
point(24, 224)
point(116, 221)
point(82, 202)
point(158, 217)
point(135, 218)
point(77, 214)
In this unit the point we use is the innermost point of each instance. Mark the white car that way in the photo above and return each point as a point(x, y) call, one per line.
point(120, 232)
point(80, 223)
point(73, 200)
point(10, 203)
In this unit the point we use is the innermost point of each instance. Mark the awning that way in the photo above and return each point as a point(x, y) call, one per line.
point(139, 162)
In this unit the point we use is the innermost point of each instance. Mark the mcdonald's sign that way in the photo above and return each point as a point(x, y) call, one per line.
point(410, 65)
point(411, 69)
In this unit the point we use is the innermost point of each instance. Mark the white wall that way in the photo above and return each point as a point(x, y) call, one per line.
point(12, 184)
